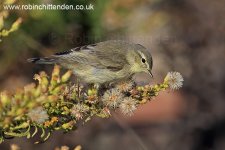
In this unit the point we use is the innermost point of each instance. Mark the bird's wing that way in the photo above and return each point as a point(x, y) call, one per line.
point(104, 55)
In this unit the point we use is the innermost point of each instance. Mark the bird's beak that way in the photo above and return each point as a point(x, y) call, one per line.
point(149, 71)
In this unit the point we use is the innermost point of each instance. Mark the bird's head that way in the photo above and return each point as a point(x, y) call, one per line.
point(140, 59)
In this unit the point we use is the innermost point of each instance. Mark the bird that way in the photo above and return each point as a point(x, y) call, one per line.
point(105, 62)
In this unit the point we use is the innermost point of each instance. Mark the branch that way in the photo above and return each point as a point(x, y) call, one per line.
point(57, 104)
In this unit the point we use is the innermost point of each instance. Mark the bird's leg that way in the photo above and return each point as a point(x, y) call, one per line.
point(111, 85)
point(104, 87)
point(96, 86)
point(100, 88)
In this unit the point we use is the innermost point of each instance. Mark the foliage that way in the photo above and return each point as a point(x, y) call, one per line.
point(3, 15)
point(57, 104)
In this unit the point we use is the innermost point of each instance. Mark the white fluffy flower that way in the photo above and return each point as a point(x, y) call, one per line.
point(38, 115)
point(125, 86)
point(79, 110)
point(174, 80)
point(112, 98)
point(128, 106)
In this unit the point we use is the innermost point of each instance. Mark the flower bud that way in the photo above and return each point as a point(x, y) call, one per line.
point(5, 98)
point(66, 76)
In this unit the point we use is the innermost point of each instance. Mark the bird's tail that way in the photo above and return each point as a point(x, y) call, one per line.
point(45, 60)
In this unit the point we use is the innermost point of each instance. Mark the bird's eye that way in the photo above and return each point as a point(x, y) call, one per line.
point(143, 60)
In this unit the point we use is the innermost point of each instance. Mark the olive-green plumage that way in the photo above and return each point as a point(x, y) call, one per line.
point(104, 62)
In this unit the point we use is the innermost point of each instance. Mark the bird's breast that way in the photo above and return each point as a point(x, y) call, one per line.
point(97, 75)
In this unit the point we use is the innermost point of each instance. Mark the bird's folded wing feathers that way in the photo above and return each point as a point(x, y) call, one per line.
point(96, 55)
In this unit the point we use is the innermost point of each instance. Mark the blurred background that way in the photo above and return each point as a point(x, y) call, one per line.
point(187, 36)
